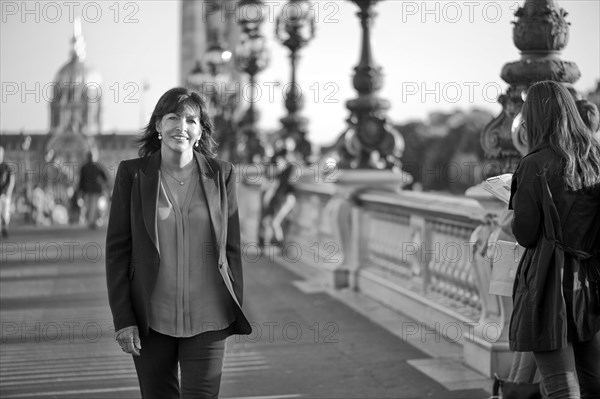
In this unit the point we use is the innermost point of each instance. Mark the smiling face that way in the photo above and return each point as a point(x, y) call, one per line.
point(179, 131)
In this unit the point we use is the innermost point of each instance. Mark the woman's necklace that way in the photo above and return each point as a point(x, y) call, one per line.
point(181, 182)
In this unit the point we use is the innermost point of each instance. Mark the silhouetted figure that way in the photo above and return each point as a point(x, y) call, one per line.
point(92, 184)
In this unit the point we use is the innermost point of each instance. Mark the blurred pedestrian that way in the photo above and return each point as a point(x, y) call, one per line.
point(7, 185)
point(75, 206)
point(173, 255)
point(93, 182)
point(268, 186)
point(556, 200)
point(284, 200)
point(277, 196)
point(43, 203)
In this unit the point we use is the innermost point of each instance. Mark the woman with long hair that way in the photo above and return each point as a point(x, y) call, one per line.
point(556, 200)
point(173, 257)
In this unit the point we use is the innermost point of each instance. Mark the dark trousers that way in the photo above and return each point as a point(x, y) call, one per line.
point(572, 372)
point(200, 359)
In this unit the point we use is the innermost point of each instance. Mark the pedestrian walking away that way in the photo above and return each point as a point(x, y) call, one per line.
point(93, 181)
point(173, 255)
point(556, 200)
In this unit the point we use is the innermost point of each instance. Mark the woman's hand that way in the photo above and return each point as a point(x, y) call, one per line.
point(129, 340)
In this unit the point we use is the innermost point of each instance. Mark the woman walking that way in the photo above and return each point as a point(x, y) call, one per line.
point(173, 257)
point(556, 200)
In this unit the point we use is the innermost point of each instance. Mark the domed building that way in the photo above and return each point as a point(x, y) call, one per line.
point(76, 106)
point(75, 127)
point(51, 159)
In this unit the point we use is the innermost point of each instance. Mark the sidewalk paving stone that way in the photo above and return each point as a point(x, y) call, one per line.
point(57, 336)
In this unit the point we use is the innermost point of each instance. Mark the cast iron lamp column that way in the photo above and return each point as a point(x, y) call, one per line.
point(295, 27)
point(369, 141)
point(211, 77)
point(251, 56)
point(209, 74)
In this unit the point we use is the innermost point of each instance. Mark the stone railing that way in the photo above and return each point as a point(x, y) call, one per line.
point(422, 249)
point(420, 253)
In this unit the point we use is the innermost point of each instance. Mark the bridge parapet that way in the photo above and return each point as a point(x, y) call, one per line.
point(422, 254)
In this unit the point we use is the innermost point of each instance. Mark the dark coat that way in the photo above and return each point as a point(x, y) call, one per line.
point(554, 301)
point(132, 255)
point(93, 178)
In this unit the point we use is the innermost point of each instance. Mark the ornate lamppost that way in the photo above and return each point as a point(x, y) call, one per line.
point(294, 28)
point(251, 56)
point(197, 79)
point(211, 77)
point(368, 157)
point(540, 32)
point(210, 73)
point(369, 141)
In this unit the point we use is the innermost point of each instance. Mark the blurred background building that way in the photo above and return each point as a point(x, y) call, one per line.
point(222, 50)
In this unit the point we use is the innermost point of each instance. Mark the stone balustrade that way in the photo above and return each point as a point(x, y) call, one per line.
point(420, 253)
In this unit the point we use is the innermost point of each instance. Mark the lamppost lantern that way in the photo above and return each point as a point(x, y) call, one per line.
point(295, 25)
point(197, 76)
point(216, 59)
point(294, 28)
point(250, 15)
point(211, 77)
point(252, 53)
point(251, 57)
point(202, 81)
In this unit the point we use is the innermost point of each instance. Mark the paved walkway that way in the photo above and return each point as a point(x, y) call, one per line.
point(57, 337)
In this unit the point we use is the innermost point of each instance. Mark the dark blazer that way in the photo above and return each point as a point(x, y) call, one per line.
point(555, 298)
point(132, 254)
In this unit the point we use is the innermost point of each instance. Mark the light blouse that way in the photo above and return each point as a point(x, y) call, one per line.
point(189, 297)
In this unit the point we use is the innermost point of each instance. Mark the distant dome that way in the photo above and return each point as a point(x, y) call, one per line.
point(76, 98)
point(77, 71)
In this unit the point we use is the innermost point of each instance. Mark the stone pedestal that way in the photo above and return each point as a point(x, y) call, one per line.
point(488, 358)
point(340, 217)
point(540, 32)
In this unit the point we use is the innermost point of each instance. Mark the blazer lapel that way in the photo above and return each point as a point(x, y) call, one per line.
point(209, 179)
point(149, 186)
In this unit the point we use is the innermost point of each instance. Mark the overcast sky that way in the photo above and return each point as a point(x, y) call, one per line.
point(435, 56)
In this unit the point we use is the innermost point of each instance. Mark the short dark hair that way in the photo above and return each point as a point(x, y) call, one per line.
point(176, 101)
